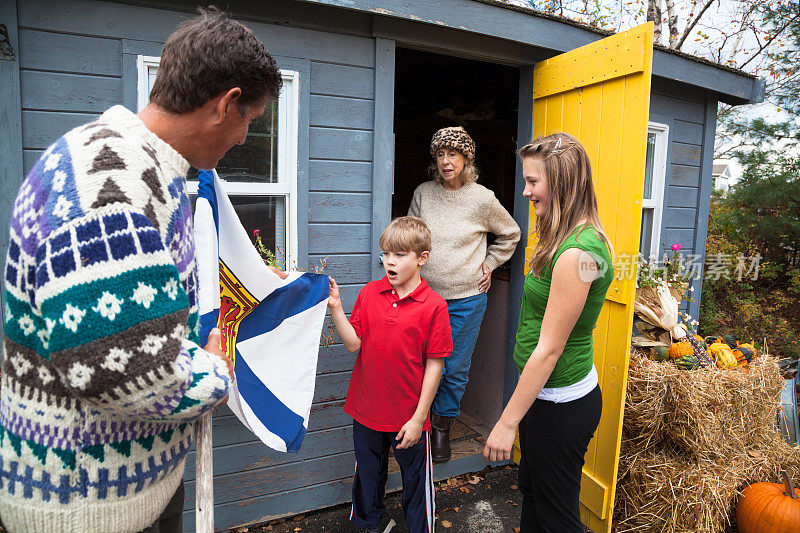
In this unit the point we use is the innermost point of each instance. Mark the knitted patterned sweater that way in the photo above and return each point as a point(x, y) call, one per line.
point(459, 221)
point(101, 375)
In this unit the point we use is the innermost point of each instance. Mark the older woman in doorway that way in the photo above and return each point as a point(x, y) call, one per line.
point(459, 213)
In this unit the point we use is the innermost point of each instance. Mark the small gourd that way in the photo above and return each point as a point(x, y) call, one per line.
point(749, 346)
point(659, 353)
point(723, 355)
point(680, 348)
point(743, 355)
point(730, 340)
point(687, 362)
point(711, 340)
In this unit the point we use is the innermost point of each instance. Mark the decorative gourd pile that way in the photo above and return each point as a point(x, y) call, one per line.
point(693, 352)
point(693, 441)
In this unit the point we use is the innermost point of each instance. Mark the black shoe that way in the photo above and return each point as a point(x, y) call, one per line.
point(440, 438)
point(385, 525)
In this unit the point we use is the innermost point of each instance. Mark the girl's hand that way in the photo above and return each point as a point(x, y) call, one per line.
point(409, 434)
point(334, 300)
point(486, 279)
point(500, 444)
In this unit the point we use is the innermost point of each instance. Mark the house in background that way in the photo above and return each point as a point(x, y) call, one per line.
point(367, 82)
point(721, 177)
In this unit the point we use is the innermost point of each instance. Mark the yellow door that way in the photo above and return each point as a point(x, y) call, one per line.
point(600, 93)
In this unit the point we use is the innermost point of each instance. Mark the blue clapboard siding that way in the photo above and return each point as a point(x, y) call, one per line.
point(315, 444)
point(264, 481)
point(76, 54)
point(688, 174)
point(684, 114)
point(65, 81)
point(41, 128)
point(353, 176)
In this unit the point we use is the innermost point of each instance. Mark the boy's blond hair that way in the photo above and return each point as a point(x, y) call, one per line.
point(406, 234)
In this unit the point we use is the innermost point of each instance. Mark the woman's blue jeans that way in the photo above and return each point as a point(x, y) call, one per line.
point(466, 315)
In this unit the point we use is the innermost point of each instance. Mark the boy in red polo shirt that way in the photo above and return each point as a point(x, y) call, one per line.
point(402, 329)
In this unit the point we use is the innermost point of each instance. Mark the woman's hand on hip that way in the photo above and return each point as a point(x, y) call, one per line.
point(486, 279)
point(500, 444)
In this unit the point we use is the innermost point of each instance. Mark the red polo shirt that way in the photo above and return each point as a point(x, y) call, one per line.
point(397, 338)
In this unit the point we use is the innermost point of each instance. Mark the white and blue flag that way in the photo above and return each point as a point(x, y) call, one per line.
point(271, 327)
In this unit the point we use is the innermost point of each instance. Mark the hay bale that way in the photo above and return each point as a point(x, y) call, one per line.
point(693, 440)
point(716, 413)
point(660, 490)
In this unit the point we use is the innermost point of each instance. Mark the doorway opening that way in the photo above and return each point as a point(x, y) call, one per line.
point(434, 91)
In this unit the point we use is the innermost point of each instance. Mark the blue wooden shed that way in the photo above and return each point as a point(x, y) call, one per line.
point(367, 83)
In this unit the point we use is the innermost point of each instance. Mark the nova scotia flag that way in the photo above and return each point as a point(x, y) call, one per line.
point(270, 326)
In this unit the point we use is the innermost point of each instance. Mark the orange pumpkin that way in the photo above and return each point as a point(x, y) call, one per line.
point(769, 508)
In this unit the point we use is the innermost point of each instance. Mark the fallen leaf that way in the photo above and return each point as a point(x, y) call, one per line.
point(516, 529)
point(465, 489)
point(242, 530)
point(447, 523)
point(299, 517)
point(754, 454)
point(456, 509)
point(298, 529)
point(480, 439)
point(514, 487)
point(452, 482)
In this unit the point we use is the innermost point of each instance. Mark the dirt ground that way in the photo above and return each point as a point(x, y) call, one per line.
point(487, 501)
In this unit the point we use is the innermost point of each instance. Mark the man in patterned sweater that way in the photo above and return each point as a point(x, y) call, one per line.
point(102, 375)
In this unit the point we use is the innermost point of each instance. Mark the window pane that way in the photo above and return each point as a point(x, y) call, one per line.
point(264, 213)
point(267, 214)
point(647, 232)
point(257, 159)
point(648, 167)
point(151, 77)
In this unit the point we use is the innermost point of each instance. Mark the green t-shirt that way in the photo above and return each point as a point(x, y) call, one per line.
point(576, 361)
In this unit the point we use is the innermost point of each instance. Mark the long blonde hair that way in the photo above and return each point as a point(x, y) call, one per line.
point(568, 174)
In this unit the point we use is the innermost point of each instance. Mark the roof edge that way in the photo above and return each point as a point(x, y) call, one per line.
point(530, 27)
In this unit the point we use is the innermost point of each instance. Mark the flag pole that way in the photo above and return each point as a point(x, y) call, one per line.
point(204, 486)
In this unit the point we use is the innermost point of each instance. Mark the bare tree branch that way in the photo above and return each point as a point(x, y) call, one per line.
point(692, 23)
point(769, 41)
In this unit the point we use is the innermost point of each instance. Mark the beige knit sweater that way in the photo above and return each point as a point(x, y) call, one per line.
point(459, 221)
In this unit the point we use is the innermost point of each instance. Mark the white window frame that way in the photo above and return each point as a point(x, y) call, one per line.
point(656, 203)
point(286, 186)
point(143, 66)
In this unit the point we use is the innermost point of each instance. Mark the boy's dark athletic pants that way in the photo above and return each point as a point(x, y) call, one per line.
point(553, 440)
point(416, 469)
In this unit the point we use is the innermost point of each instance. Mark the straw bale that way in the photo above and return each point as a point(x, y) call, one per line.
point(693, 440)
